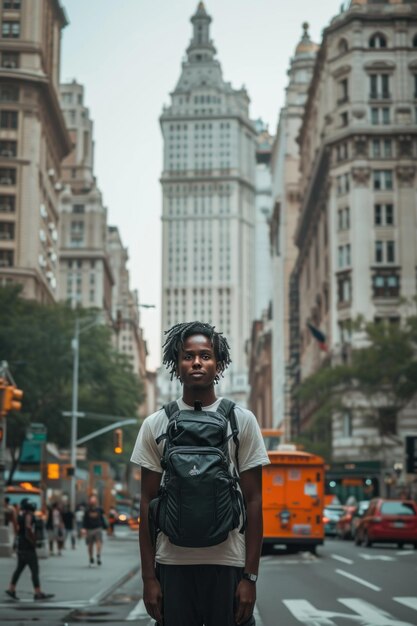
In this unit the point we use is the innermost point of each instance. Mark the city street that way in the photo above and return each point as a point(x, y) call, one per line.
point(344, 584)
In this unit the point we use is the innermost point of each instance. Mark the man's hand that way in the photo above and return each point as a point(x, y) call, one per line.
point(245, 601)
point(152, 597)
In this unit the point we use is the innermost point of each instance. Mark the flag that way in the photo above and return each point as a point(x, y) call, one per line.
point(319, 336)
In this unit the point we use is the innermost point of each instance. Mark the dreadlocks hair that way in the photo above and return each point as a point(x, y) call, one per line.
point(176, 336)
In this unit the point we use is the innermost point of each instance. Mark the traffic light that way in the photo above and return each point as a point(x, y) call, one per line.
point(12, 399)
point(118, 441)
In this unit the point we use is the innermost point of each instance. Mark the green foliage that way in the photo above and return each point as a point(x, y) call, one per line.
point(383, 373)
point(36, 341)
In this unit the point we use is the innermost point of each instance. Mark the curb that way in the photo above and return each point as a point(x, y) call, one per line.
point(102, 595)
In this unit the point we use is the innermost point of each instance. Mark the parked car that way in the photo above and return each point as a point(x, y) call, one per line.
point(331, 514)
point(357, 515)
point(388, 521)
point(343, 524)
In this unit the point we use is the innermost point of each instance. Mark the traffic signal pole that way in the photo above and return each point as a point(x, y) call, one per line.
point(10, 397)
point(74, 411)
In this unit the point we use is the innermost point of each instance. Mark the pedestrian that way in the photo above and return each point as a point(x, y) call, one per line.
point(55, 528)
point(200, 564)
point(10, 520)
point(93, 525)
point(68, 520)
point(26, 552)
point(79, 518)
point(112, 521)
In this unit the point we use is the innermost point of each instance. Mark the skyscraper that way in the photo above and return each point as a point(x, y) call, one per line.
point(33, 142)
point(208, 213)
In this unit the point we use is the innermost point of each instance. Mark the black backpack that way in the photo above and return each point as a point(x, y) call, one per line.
point(199, 502)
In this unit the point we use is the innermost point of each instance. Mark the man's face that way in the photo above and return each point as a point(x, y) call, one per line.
point(197, 365)
point(93, 501)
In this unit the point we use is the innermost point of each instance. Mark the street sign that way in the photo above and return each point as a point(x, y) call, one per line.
point(65, 454)
point(36, 436)
point(411, 454)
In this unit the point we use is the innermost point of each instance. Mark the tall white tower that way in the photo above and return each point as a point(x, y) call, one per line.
point(208, 213)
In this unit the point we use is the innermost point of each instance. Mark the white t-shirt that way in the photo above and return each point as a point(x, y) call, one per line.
point(252, 453)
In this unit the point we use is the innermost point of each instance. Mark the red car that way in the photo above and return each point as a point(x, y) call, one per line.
point(388, 521)
point(344, 523)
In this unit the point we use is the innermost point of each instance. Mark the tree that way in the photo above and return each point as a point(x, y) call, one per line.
point(379, 380)
point(35, 339)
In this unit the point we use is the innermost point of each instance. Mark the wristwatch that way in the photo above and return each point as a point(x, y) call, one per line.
point(251, 577)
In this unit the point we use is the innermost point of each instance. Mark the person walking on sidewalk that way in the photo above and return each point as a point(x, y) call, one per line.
point(68, 518)
point(55, 528)
point(93, 526)
point(26, 552)
point(189, 578)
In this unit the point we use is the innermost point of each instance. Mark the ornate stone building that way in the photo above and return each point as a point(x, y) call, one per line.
point(208, 214)
point(33, 142)
point(357, 229)
point(286, 204)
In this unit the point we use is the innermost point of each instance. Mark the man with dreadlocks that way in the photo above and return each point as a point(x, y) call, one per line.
point(213, 585)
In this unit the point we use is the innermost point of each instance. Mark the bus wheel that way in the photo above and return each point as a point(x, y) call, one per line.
point(267, 548)
point(312, 549)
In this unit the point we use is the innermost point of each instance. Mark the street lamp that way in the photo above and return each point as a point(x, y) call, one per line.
point(75, 344)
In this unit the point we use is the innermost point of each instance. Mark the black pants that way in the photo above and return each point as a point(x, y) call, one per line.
point(197, 595)
point(29, 558)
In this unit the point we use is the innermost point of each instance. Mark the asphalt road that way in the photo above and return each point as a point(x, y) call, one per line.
point(342, 585)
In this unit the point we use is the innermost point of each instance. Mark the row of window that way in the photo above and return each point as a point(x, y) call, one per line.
point(384, 253)
point(385, 284)
point(383, 216)
point(382, 180)
point(376, 40)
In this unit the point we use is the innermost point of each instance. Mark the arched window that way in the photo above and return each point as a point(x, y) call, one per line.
point(378, 41)
point(415, 41)
point(342, 46)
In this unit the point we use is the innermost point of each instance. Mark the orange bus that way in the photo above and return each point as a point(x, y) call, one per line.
point(293, 500)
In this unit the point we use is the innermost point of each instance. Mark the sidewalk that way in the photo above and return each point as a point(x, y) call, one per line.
point(70, 578)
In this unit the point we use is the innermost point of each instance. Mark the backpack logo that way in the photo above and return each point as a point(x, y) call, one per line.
point(194, 472)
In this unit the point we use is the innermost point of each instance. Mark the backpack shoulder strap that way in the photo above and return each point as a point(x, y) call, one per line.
point(171, 408)
point(227, 408)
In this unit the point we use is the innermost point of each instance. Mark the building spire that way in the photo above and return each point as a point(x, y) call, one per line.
point(201, 48)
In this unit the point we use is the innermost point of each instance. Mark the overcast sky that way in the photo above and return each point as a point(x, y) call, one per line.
point(127, 54)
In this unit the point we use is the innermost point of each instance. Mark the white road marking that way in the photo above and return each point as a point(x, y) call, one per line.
point(361, 581)
point(342, 559)
point(257, 617)
point(139, 612)
point(365, 614)
point(376, 557)
point(405, 552)
point(411, 603)
point(371, 615)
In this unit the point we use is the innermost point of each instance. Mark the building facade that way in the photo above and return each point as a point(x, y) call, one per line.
point(208, 213)
point(86, 277)
point(285, 164)
point(33, 142)
point(357, 230)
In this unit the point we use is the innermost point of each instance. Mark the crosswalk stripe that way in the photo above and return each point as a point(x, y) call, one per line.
point(411, 603)
point(342, 559)
point(361, 581)
point(139, 612)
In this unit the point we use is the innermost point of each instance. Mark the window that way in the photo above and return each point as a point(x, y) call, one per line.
point(385, 251)
point(344, 119)
point(387, 422)
point(347, 424)
point(10, 60)
point(7, 204)
point(382, 179)
point(344, 288)
point(343, 184)
point(7, 176)
point(8, 148)
point(344, 256)
point(377, 41)
point(6, 231)
point(379, 86)
point(77, 234)
point(386, 283)
point(78, 208)
point(384, 215)
point(11, 4)
point(6, 258)
point(8, 119)
point(380, 115)
point(343, 90)
point(343, 46)
point(9, 93)
point(10, 30)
